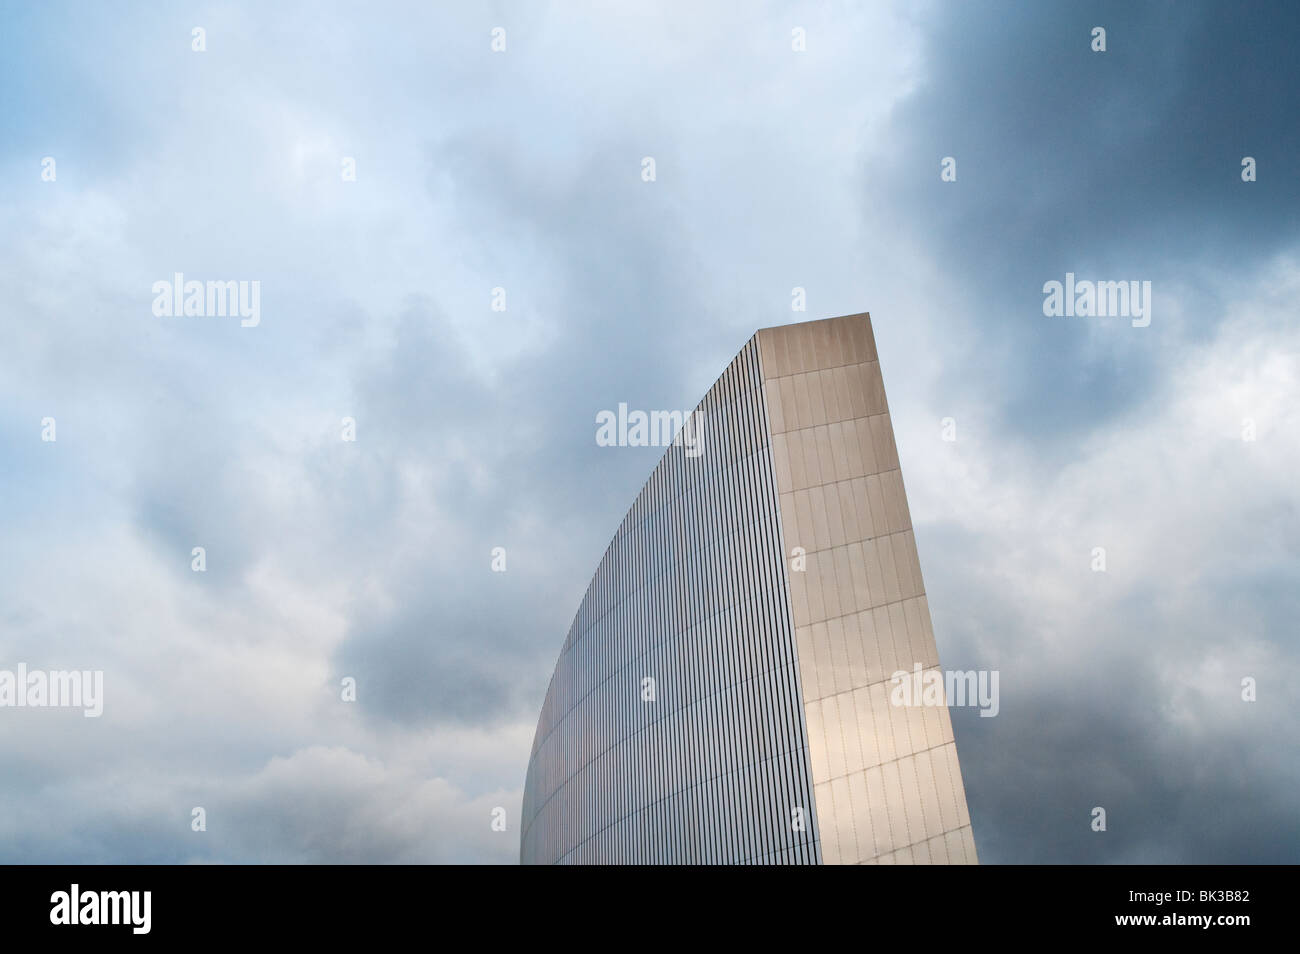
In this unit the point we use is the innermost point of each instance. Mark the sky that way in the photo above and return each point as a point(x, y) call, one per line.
point(1174, 447)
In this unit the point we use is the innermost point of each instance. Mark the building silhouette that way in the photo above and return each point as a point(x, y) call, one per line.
point(724, 693)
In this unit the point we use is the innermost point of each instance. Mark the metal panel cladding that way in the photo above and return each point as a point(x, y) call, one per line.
point(673, 729)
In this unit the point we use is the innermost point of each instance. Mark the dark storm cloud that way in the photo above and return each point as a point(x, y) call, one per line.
point(1123, 164)
point(1116, 165)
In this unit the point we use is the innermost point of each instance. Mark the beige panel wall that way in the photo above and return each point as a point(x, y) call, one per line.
point(886, 778)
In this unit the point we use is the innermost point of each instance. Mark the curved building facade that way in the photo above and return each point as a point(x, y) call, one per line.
point(723, 693)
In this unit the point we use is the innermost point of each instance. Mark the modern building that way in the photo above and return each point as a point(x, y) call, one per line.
point(724, 693)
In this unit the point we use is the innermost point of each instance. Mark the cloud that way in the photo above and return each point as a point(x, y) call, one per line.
point(371, 559)
point(1124, 688)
